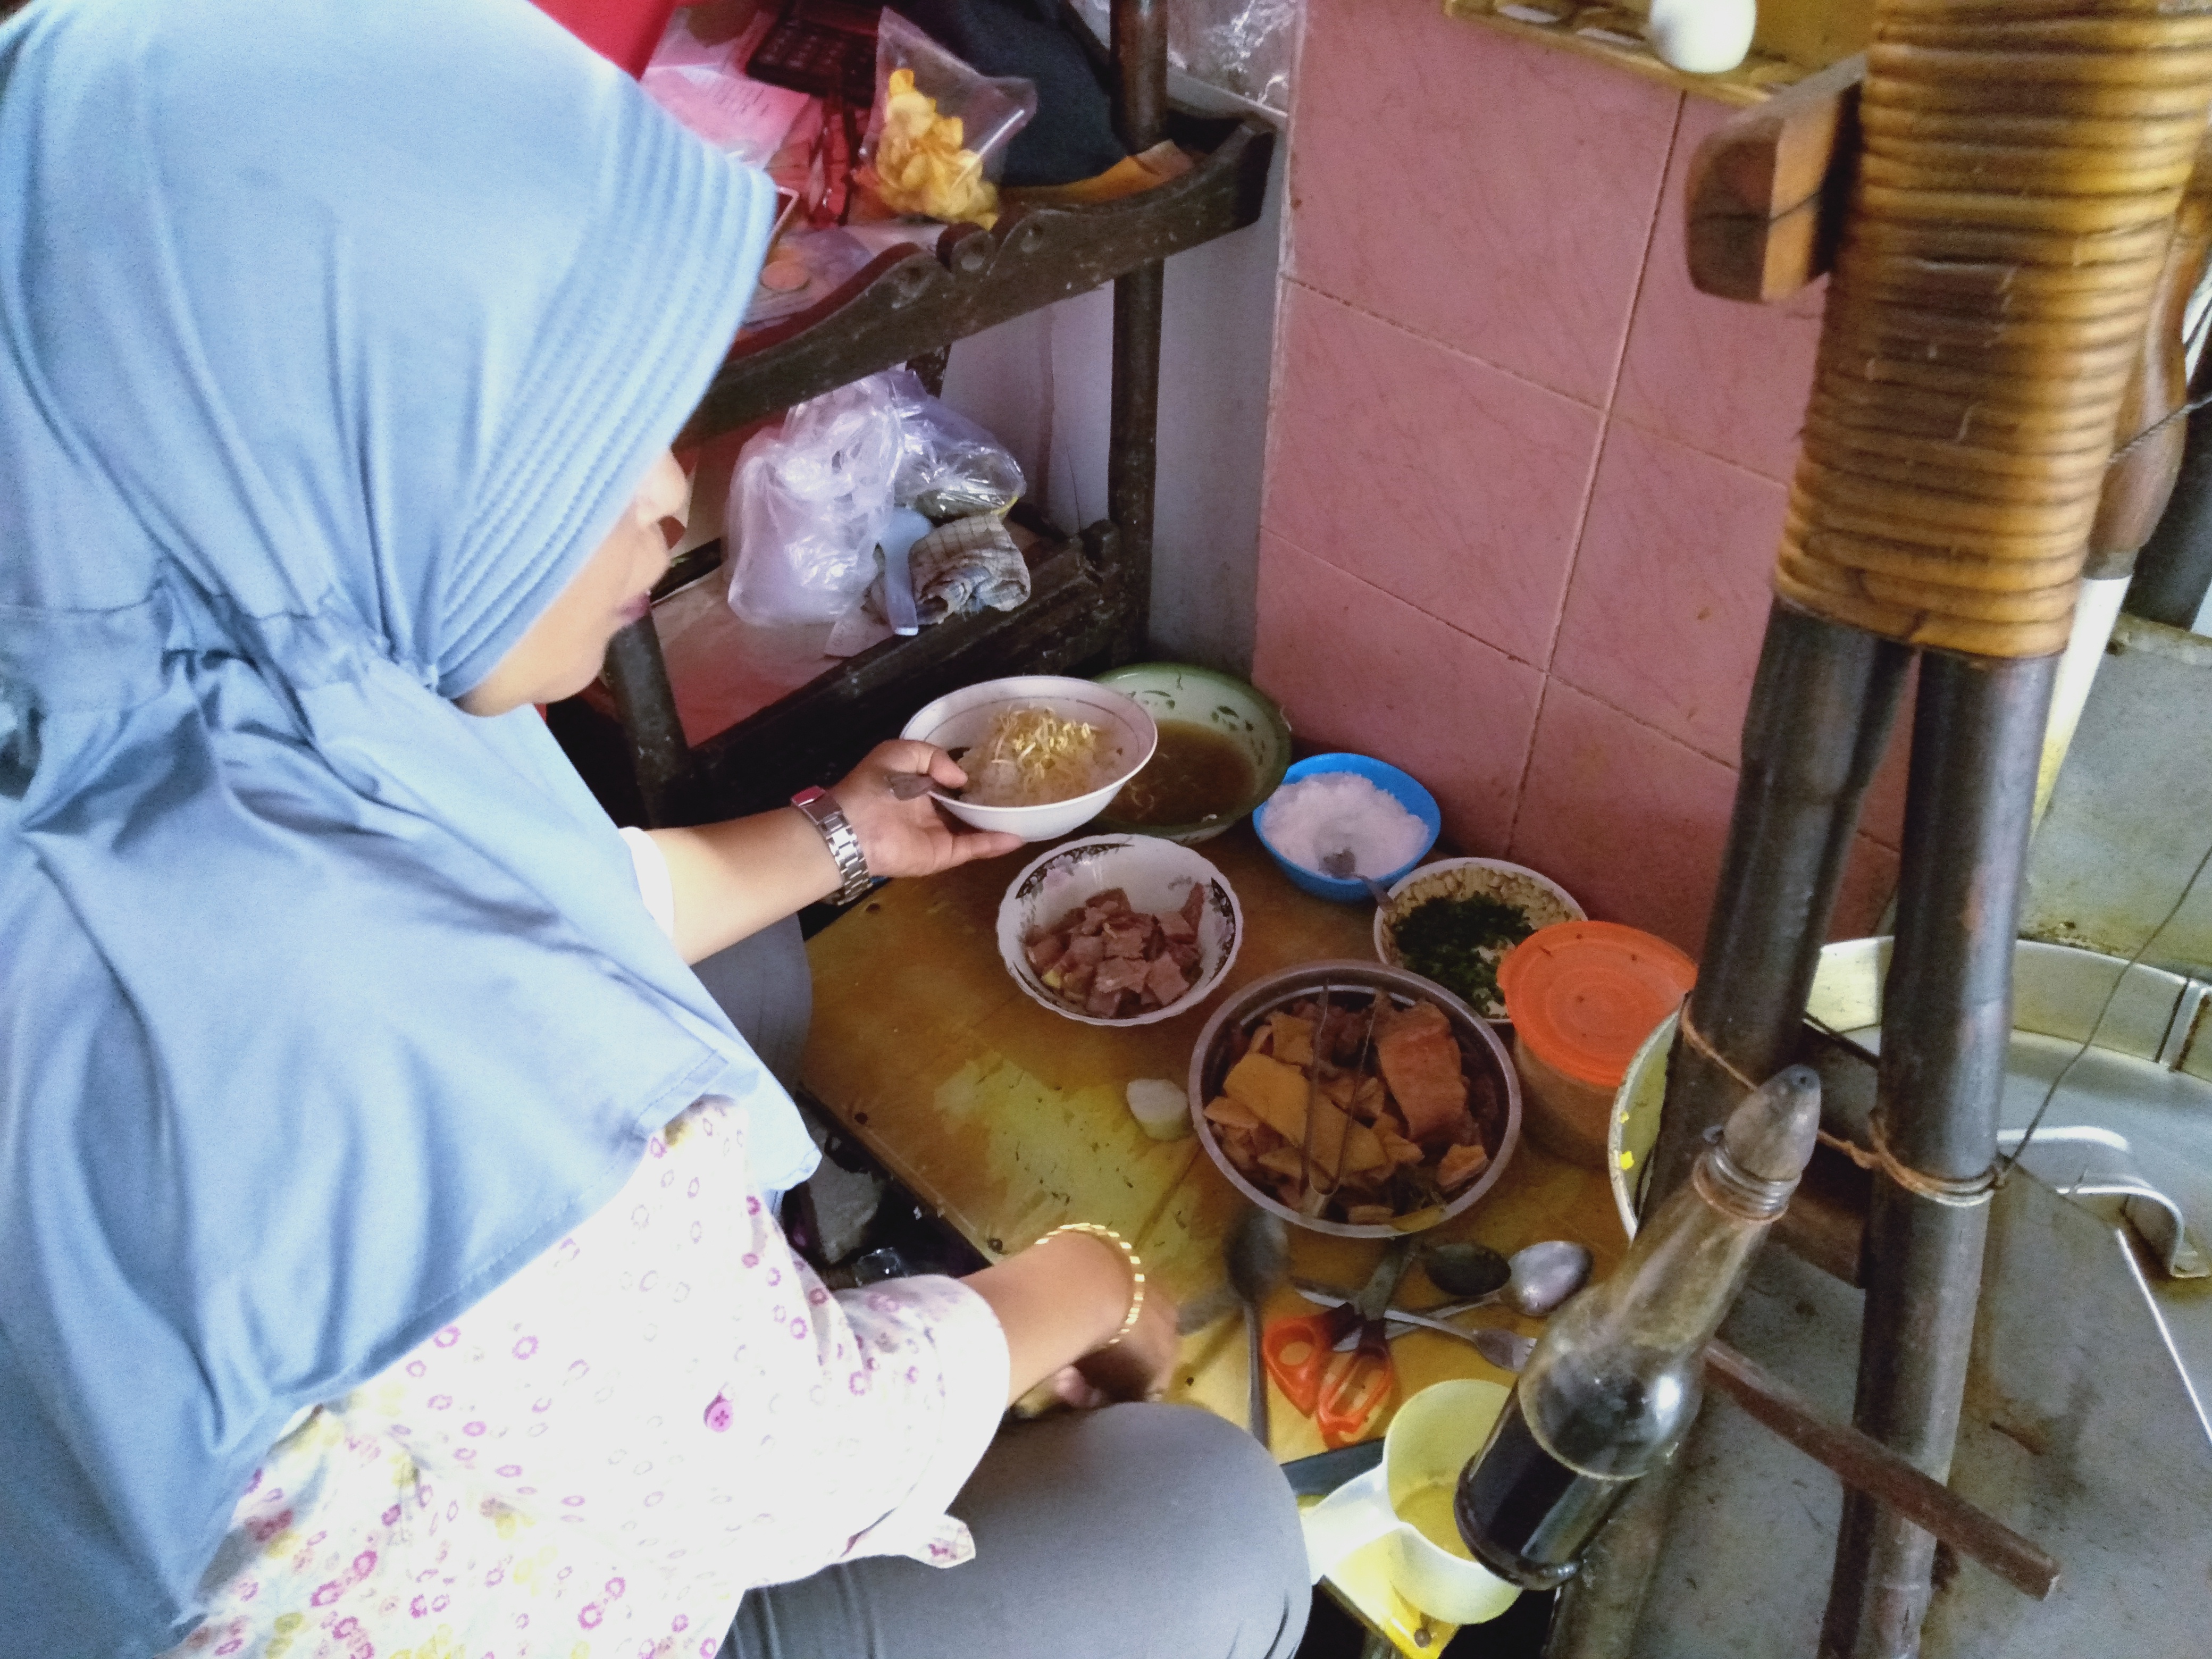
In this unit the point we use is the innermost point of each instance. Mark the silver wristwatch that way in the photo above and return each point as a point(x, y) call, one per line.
point(822, 812)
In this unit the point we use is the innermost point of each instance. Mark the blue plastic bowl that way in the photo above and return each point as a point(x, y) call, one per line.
point(1399, 786)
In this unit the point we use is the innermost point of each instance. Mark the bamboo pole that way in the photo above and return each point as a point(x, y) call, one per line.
point(1946, 1027)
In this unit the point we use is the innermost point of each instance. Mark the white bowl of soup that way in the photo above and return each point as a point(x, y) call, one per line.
point(1044, 753)
point(1224, 747)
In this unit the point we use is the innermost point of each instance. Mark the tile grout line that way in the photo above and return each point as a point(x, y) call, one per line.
point(1606, 415)
point(1605, 418)
point(1650, 431)
point(1293, 542)
point(1461, 352)
point(1643, 265)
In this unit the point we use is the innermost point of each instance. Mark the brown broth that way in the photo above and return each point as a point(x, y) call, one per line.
point(1195, 774)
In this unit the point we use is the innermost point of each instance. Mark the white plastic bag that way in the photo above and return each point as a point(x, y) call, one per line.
point(809, 503)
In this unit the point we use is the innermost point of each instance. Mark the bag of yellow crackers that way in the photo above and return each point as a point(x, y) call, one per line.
point(938, 134)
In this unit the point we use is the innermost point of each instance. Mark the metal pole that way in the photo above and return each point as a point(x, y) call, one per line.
point(1141, 60)
point(1946, 1027)
point(659, 757)
point(1822, 704)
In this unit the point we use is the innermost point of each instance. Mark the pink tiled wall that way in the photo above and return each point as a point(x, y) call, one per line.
point(1524, 483)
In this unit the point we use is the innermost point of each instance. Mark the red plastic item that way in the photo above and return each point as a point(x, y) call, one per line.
point(624, 31)
point(1341, 1398)
point(1298, 1352)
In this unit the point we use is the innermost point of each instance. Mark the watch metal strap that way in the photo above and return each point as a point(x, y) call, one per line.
point(822, 812)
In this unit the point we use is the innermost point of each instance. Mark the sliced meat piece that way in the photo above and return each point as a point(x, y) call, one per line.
point(1075, 980)
point(1421, 1063)
point(1187, 958)
point(1117, 974)
point(1084, 950)
point(1111, 902)
point(1194, 907)
point(1103, 1004)
point(1163, 982)
point(1127, 936)
point(1046, 951)
point(1177, 927)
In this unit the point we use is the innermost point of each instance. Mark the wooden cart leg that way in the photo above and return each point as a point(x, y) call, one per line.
point(1947, 1023)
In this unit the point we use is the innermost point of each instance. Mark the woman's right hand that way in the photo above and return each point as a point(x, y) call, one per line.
point(1142, 1364)
point(1060, 1303)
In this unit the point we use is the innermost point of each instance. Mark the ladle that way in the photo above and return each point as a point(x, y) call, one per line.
point(1257, 1255)
point(1537, 1279)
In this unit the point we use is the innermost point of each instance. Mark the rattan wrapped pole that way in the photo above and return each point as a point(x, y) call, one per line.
point(2022, 160)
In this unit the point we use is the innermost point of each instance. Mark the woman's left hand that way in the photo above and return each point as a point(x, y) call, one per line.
point(911, 837)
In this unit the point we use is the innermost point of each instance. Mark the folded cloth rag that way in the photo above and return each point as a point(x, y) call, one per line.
point(966, 565)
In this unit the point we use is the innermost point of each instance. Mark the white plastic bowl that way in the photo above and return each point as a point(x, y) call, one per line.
point(1157, 875)
point(960, 720)
point(1537, 896)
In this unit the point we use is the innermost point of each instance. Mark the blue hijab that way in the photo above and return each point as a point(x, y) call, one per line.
point(334, 336)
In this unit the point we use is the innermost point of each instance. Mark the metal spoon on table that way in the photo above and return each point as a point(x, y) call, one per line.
point(1539, 1278)
point(1257, 1255)
point(1503, 1349)
point(1340, 866)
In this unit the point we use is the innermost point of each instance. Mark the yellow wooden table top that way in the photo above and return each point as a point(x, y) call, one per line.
point(1010, 1120)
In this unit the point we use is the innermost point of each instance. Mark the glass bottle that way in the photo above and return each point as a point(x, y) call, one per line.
point(1615, 1380)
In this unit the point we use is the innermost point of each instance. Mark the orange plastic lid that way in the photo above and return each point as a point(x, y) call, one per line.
point(1584, 994)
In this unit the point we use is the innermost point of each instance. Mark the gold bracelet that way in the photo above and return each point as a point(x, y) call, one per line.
point(1128, 1255)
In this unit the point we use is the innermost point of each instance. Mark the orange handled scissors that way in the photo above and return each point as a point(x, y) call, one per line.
point(1300, 1353)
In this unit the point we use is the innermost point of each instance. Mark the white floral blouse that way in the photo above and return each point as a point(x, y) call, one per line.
point(662, 1411)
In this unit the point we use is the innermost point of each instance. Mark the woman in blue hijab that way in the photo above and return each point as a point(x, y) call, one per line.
point(345, 1071)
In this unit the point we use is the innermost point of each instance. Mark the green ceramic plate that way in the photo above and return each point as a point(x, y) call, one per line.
point(1173, 691)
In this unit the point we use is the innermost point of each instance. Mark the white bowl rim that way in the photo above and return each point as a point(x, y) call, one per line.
point(1284, 983)
point(1182, 1005)
point(1038, 686)
point(1504, 867)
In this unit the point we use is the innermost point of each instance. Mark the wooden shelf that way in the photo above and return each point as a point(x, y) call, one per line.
point(1795, 39)
point(911, 301)
point(1089, 597)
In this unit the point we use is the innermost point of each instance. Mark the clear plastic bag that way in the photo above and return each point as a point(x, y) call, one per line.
point(811, 500)
point(949, 467)
point(938, 134)
point(1243, 46)
point(809, 503)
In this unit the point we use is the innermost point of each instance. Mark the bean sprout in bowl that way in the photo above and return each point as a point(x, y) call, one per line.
point(1121, 740)
point(1243, 1025)
point(1155, 879)
point(1490, 906)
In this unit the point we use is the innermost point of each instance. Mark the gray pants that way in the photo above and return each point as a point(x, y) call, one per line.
point(1134, 1532)
point(766, 988)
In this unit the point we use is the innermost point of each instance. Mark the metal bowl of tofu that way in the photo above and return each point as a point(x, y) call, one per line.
point(1413, 1106)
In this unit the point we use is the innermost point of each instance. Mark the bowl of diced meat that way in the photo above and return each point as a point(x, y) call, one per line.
point(1120, 930)
point(1354, 1098)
